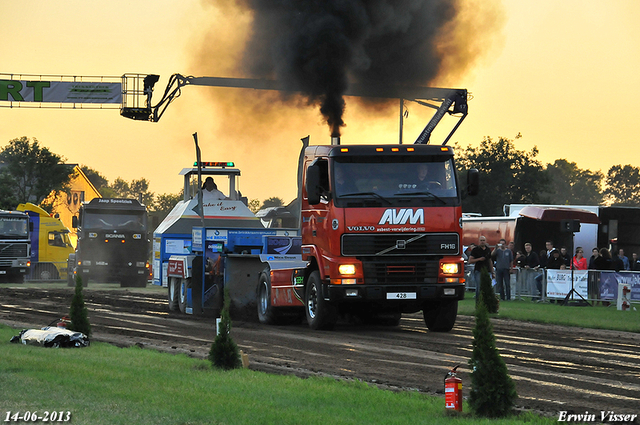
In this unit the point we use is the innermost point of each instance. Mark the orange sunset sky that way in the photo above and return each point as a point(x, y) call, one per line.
point(564, 74)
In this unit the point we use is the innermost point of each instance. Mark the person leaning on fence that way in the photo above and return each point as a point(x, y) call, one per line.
point(625, 260)
point(556, 262)
point(595, 253)
point(618, 264)
point(635, 262)
point(604, 261)
point(504, 259)
point(531, 259)
point(565, 256)
point(579, 262)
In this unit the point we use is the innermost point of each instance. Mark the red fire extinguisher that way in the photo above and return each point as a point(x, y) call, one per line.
point(453, 390)
point(62, 322)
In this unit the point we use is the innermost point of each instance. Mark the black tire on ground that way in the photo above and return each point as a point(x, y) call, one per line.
point(182, 294)
point(140, 281)
point(440, 315)
point(46, 272)
point(320, 313)
point(267, 314)
point(173, 289)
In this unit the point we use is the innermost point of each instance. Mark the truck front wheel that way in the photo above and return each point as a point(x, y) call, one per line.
point(440, 315)
point(46, 272)
point(321, 314)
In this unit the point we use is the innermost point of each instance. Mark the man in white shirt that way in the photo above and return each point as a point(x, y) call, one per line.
point(210, 191)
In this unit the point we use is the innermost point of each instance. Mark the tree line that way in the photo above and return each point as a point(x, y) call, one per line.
point(29, 172)
point(512, 176)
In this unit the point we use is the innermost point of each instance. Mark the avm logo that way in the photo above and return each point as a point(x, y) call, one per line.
point(402, 216)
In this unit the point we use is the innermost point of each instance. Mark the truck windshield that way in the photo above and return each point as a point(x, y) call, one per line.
point(120, 221)
point(13, 227)
point(430, 181)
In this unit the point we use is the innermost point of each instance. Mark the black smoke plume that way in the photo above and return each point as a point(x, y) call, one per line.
point(319, 46)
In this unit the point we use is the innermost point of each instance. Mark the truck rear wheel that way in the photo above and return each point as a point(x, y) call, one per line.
point(320, 313)
point(267, 314)
point(182, 295)
point(173, 293)
point(440, 316)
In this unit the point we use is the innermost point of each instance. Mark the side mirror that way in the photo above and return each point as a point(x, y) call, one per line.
point(313, 184)
point(74, 222)
point(473, 182)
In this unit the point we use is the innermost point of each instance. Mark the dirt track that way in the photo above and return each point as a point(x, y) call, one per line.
point(555, 368)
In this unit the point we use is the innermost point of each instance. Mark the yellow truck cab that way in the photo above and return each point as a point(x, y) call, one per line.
point(50, 244)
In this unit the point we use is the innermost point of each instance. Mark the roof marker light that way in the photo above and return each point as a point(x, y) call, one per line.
point(214, 164)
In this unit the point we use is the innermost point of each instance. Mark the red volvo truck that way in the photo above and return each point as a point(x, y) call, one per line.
point(381, 232)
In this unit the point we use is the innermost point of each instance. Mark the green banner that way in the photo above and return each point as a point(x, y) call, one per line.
point(60, 92)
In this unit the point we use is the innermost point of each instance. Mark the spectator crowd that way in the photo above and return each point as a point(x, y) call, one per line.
point(500, 261)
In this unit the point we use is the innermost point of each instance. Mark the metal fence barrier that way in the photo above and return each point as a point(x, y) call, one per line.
point(532, 283)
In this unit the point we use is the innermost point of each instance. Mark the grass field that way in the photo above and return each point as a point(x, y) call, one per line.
point(104, 384)
point(598, 317)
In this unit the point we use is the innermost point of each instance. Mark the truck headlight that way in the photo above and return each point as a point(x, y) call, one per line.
point(347, 269)
point(450, 268)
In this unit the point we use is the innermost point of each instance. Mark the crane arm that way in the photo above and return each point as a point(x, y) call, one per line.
point(452, 101)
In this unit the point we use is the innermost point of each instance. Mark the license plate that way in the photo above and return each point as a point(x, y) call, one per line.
point(401, 296)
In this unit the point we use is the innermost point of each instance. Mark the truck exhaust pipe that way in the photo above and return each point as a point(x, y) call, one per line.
point(335, 140)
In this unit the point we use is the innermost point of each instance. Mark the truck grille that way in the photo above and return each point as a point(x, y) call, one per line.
point(402, 244)
point(13, 250)
point(400, 272)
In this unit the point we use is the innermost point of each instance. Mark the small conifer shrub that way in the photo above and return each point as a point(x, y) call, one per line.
point(224, 353)
point(78, 311)
point(493, 393)
point(488, 295)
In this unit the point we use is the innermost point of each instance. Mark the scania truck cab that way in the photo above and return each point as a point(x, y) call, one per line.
point(113, 242)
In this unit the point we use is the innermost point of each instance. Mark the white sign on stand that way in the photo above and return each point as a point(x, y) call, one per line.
point(559, 283)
